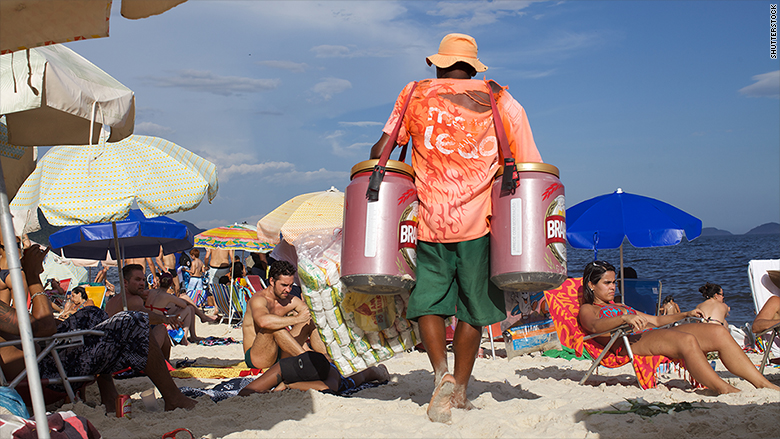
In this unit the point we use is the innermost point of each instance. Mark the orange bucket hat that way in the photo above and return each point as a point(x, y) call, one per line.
point(454, 48)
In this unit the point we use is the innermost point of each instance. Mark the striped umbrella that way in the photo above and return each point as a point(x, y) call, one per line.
point(235, 237)
point(99, 183)
point(304, 213)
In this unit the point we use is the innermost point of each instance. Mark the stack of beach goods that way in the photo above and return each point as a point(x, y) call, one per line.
point(359, 330)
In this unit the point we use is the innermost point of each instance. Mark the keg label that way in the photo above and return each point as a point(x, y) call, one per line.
point(407, 235)
point(516, 222)
point(555, 229)
point(372, 225)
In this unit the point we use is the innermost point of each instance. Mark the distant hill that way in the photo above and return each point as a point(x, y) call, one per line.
point(192, 227)
point(765, 229)
point(712, 231)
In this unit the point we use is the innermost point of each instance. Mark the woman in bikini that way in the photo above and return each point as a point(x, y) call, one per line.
point(714, 308)
point(160, 301)
point(689, 342)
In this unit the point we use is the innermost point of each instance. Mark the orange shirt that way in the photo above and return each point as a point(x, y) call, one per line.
point(455, 155)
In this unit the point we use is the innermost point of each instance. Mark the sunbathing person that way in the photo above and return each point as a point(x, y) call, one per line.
point(311, 370)
point(768, 316)
point(269, 314)
point(669, 306)
point(78, 300)
point(125, 344)
point(714, 308)
point(160, 301)
point(689, 342)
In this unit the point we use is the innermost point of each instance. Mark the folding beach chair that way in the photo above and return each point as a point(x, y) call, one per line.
point(256, 283)
point(564, 303)
point(643, 295)
point(763, 288)
point(97, 294)
point(53, 344)
point(196, 290)
point(221, 294)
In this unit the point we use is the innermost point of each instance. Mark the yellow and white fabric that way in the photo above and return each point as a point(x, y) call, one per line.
point(50, 95)
point(75, 185)
point(304, 213)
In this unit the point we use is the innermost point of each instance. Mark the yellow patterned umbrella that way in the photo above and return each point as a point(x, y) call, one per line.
point(304, 213)
point(75, 185)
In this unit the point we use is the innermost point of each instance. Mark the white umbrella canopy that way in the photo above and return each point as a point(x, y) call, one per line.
point(53, 96)
point(101, 183)
point(31, 23)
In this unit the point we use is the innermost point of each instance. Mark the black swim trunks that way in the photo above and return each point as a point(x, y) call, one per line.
point(309, 366)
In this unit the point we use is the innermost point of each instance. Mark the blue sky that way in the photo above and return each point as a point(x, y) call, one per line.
point(676, 100)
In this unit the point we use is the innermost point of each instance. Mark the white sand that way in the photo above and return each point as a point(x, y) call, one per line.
point(528, 396)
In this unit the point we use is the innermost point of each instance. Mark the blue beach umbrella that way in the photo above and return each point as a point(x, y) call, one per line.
point(605, 221)
point(137, 236)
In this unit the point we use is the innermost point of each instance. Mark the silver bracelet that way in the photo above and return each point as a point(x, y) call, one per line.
point(41, 293)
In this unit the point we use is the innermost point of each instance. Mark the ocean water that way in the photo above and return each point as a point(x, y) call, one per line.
point(683, 268)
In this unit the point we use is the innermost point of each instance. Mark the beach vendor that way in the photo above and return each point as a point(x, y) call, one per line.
point(689, 342)
point(125, 344)
point(277, 324)
point(455, 157)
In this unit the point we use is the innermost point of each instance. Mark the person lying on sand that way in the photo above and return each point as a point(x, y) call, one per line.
point(714, 308)
point(689, 342)
point(311, 370)
point(269, 314)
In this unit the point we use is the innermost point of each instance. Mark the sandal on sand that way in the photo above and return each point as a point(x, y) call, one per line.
point(172, 434)
point(186, 362)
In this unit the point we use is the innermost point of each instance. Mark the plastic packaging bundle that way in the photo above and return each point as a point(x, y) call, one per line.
point(358, 330)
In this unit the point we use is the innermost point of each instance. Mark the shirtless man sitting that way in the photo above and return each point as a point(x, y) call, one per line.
point(768, 316)
point(714, 308)
point(269, 313)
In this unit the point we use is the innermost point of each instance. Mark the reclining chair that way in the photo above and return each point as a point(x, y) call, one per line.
point(53, 344)
point(763, 288)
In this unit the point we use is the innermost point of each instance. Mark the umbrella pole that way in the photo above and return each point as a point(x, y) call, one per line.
point(622, 276)
point(23, 317)
point(119, 265)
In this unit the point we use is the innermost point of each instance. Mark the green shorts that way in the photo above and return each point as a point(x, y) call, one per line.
point(454, 279)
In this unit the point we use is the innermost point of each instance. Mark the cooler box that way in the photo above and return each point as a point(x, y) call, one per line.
point(531, 337)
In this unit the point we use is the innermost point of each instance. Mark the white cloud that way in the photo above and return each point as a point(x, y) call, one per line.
point(464, 15)
point(208, 82)
point(297, 67)
point(328, 51)
point(328, 87)
point(335, 139)
point(536, 74)
point(766, 85)
point(152, 129)
point(362, 124)
point(258, 169)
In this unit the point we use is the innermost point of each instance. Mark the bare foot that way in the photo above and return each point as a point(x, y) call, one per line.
point(195, 339)
point(180, 403)
point(439, 407)
point(382, 373)
point(205, 318)
point(459, 401)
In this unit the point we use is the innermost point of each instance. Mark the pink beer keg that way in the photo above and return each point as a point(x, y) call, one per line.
point(379, 241)
point(528, 231)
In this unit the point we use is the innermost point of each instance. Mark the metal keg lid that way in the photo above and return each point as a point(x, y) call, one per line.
point(392, 166)
point(532, 167)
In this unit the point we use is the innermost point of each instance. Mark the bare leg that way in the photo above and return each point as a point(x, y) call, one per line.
point(466, 344)
point(678, 344)
point(160, 335)
point(733, 357)
point(375, 373)
point(265, 382)
point(108, 392)
point(287, 343)
point(433, 337)
point(157, 371)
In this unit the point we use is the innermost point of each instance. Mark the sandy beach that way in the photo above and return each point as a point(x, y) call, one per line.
point(527, 396)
